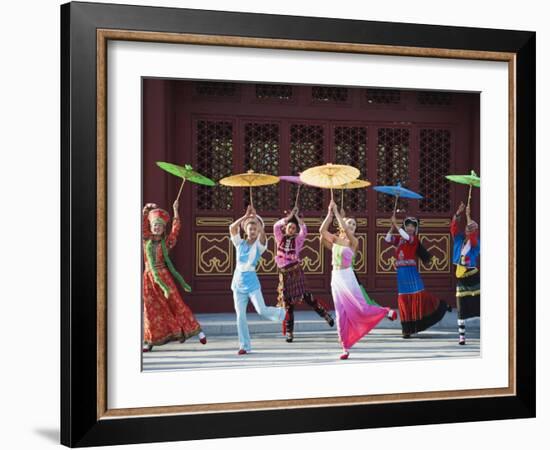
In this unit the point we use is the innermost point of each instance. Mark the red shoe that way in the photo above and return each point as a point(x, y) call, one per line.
point(344, 355)
point(392, 314)
point(242, 351)
point(147, 348)
point(202, 340)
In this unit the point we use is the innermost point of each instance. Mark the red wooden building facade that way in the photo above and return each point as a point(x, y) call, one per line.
point(415, 137)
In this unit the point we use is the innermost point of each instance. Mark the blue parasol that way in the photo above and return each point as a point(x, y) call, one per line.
point(397, 191)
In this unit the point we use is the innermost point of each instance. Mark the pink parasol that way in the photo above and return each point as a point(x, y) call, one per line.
point(296, 180)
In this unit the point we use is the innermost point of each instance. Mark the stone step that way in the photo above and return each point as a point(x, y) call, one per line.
point(224, 323)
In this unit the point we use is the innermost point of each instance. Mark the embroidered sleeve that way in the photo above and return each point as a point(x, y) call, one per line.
point(278, 230)
point(473, 239)
point(145, 228)
point(454, 227)
point(173, 236)
point(301, 237)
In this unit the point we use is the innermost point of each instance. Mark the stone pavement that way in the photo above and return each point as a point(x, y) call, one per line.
point(314, 343)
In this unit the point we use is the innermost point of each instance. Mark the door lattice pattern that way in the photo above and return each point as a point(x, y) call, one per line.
point(350, 144)
point(329, 94)
point(433, 98)
point(215, 89)
point(214, 160)
point(306, 150)
point(393, 163)
point(383, 96)
point(274, 91)
point(262, 155)
point(435, 162)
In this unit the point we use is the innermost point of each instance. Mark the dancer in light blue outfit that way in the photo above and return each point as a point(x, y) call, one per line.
point(245, 284)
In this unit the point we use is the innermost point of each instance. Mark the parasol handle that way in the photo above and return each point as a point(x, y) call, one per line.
point(469, 195)
point(181, 189)
point(342, 200)
point(395, 204)
point(297, 196)
point(251, 202)
point(331, 195)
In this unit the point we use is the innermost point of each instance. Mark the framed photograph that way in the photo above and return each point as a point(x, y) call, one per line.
point(276, 224)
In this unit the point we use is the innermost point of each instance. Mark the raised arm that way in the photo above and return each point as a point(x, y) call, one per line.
point(352, 239)
point(473, 235)
point(456, 219)
point(323, 229)
point(176, 226)
point(261, 230)
point(278, 229)
point(234, 227)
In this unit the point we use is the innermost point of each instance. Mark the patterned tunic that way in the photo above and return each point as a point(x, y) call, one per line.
point(165, 319)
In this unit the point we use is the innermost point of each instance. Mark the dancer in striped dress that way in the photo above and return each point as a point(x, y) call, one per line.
point(290, 233)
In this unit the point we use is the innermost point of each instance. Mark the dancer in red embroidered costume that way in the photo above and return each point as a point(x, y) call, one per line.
point(166, 317)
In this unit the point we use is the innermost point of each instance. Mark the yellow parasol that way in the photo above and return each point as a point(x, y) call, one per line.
point(355, 184)
point(249, 179)
point(329, 176)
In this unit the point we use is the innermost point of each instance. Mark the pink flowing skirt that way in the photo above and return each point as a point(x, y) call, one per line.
point(354, 317)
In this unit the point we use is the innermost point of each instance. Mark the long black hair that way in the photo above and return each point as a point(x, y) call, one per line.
point(423, 253)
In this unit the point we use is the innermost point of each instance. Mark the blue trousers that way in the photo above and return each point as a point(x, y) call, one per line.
point(267, 312)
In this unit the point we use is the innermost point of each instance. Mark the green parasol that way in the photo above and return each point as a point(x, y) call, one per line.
point(471, 180)
point(186, 173)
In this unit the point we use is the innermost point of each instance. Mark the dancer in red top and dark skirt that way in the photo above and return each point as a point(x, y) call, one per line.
point(418, 309)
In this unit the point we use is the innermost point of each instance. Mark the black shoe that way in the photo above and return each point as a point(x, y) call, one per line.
point(289, 336)
point(329, 319)
point(406, 336)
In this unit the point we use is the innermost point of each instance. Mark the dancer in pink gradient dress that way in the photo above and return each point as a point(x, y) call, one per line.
point(354, 317)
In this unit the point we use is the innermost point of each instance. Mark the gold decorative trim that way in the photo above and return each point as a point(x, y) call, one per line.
point(361, 263)
point(468, 293)
point(268, 265)
point(441, 265)
point(210, 268)
point(103, 35)
point(389, 267)
point(213, 221)
point(424, 223)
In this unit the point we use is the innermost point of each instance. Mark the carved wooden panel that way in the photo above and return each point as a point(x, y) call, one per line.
point(214, 254)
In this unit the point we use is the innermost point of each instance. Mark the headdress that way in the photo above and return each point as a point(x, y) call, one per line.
point(411, 220)
point(158, 215)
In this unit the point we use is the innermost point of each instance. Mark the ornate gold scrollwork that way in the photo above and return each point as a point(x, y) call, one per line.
point(214, 254)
